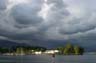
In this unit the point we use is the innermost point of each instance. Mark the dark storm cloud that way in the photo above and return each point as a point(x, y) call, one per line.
point(22, 22)
point(27, 14)
point(46, 21)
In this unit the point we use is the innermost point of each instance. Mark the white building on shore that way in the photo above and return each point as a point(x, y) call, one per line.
point(46, 52)
point(51, 51)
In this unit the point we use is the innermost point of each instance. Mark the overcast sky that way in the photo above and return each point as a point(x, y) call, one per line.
point(48, 22)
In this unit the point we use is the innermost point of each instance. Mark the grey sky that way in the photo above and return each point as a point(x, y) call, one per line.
point(36, 21)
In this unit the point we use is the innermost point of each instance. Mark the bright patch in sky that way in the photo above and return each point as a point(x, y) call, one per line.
point(43, 12)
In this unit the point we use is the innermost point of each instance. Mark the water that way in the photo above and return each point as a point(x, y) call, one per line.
point(48, 59)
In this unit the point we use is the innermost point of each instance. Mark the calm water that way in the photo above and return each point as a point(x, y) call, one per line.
point(48, 59)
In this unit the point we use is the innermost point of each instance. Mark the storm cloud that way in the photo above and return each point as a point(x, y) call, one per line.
point(36, 21)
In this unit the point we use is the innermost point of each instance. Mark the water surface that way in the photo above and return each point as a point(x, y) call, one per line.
point(48, 59)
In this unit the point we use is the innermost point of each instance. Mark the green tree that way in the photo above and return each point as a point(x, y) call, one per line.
point(69, 49)
point(77, 50)
point(4, 50)
point(20, 50)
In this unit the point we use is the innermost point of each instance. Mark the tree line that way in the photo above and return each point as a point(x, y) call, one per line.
point(19, 49)
point(70, 49)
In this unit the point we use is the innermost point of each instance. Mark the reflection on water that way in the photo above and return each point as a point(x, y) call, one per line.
point(48, 59)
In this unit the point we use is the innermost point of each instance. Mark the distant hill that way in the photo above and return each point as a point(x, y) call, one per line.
point(6, 43)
